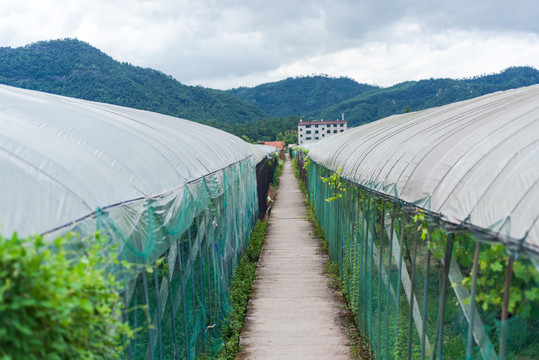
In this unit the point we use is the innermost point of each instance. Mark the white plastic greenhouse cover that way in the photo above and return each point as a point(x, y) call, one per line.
point(268, 149)
point(263, 151)
point(475, 162)
point(63, 158)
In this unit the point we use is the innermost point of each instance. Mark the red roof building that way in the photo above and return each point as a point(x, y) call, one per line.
point(278, 144)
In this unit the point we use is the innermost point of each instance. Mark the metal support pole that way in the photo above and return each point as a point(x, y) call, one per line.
point(183, 284)
point(469, 348)
point(149, 320)
point(411, 315)
point(371, 270)
point(505, 309)
point(403, 237)
point(425, 300)
point(365, 268)
point(158, 310)
point(172, 313)
point(390, 253)
point(381, 246)
point(440, 323)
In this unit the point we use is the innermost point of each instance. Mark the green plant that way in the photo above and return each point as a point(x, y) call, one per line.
point(359, 347)
point(524, 290)
point(492, 267)
point(240, 289)
point(57, 303)
point(278, 171)
point(306, 160)
point(335, 183)
point(294, 165)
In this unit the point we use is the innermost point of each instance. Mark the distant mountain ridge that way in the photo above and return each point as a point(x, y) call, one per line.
point(301, 95)
point(371, 102)
point(424, 94)
point(74, 68)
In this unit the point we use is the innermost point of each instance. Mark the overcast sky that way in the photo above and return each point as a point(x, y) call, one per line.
point(231, 43)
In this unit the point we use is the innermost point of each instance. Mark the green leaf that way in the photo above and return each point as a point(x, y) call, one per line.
point(532, 294)
point(496, 266)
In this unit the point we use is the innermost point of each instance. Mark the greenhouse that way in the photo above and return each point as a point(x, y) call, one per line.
point(168, 193)
point(432, 217)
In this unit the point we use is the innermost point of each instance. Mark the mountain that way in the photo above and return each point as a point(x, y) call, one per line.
point(419, 95)
point(74, 68)
point(301, 95)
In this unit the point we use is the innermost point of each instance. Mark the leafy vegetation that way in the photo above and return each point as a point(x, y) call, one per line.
point(301, 95)
point(263, 113)
point(240, 288)
point(278, 172)
point(334, 182)
point(359, 347)
point(419, 95)
point(74, 68)
point(54, 305)
point(492, 267)
point(321, 97)
point(284, 129)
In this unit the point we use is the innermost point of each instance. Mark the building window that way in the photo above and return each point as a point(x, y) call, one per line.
point(316, 131)
point(308, 131)
point(334, 131)
point(329, 131)
point(342, 125)
point(308, 138)
point(342, 130)
point(307, 126)
point(316, 126)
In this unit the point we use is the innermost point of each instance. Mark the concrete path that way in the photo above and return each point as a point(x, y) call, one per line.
point(292, 314)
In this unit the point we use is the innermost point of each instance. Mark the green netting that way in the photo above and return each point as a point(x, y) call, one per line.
point(179, 307)
point(411, 296)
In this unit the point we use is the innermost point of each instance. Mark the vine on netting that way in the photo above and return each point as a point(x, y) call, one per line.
point(492, 266)
point(335, 182)
point(307, 161)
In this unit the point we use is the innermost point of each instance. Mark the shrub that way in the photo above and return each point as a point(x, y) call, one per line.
point(56, 303)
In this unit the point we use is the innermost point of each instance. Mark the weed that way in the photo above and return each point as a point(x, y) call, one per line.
point(240, 289)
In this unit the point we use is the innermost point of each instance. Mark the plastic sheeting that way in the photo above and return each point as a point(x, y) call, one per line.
point(63, 159)
point(156, 186)
point(268, 149)
point(476, 162)
point(263, 151)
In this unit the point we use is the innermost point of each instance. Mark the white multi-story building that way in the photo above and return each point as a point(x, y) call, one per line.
point(310, 131)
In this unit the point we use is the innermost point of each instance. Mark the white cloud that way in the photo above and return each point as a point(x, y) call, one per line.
point(230, 43)
point(450, 53)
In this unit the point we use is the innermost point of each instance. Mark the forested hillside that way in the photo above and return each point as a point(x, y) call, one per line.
point(76, 69)
point(419, 95)
point(321, 97)
point(301, 95)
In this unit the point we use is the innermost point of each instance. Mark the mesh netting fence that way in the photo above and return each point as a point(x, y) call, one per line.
point(410, 281)
point(177, 309)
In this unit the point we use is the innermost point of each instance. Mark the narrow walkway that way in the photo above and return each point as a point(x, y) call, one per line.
point(293, 314)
